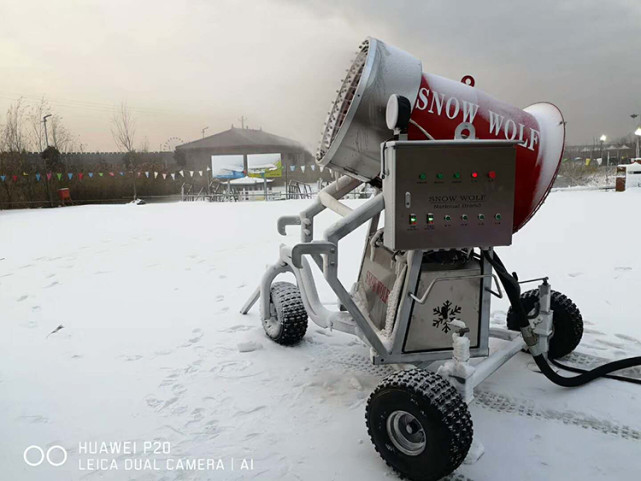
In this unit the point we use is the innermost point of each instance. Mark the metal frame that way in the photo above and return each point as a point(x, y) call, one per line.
point(385, 350)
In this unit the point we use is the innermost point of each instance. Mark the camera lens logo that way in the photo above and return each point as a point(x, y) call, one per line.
point(34, 455)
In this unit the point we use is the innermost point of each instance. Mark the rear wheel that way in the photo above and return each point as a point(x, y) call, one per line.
point(567, 323)
point(287, 320)
point(419, 424)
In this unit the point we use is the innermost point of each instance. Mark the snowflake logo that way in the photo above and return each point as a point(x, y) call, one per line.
point(444, 314)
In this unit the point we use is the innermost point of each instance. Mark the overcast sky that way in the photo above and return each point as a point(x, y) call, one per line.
point(184, 65)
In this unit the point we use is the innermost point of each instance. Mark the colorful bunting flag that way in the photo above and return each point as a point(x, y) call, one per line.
point(112, 174)
point(70, 175)
point(91, 175)
point(191, 172)
point(181, 172)
point(200, 172)
point(173, 176)
point(208, 169)
point(155, 175)
point(147, 174)
point(164, 176)
point(100, 174)
point(80, 175)
point(302, 168)
point(59, 175)
point(3, 177)
point(37, 177)
point(292, 168)
point(138, 174)
point(313, 167)
point(48, 175)
point(14, 178)
point(122, 173)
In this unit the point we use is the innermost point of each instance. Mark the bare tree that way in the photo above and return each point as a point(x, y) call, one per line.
point(13, 137)
point(60, 137)
point(123, 128)
point(36, 125)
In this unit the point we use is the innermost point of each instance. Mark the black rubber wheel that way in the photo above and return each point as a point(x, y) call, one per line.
point(287, 322)
point(419, 424)
point(567, 323)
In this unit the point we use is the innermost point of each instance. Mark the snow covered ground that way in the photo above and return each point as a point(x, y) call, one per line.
point(148, 297)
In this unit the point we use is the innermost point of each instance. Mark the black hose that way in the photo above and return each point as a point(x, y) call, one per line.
point(513, 291)
point(581, 371)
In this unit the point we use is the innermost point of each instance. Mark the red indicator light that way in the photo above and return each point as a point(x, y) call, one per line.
point(475, 175)
point(491, 174)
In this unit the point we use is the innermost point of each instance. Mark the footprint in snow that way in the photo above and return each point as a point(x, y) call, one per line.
point(22, 298)
point(623, 268)
point(220, 298)
point(54, 283)
point(575, 274)
point(129, 358)
point(628, 338)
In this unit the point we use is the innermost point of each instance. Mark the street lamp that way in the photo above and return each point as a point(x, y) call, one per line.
point(44, 160)
point(602, 139)
point(638, 134)
point(44, 120)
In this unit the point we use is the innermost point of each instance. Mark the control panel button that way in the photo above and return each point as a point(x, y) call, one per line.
point(481, 216)
point(475, 175)
point(412, 219)
point(430, 218)
point(447, 218)
point(464, 217)
point(422, 176)
point(492, 174)
point(457, 175)
point(440, 176)
point(497, 216)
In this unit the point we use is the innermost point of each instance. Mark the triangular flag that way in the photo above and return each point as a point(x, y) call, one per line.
point(15, 178)
point(48, 175)
point(321, 168)
point(313, 167)
point(80, 175)
point(292, 168)
point(164, 176)
point(3, 177)
point(302, 168)
point(70, 175)
point(100, 174)
point(138, 174)
point(173, 176)
point(147, 174)
point(112, 174)
point(91, 175)
point(191, 172)
point(155, 175)
point(122, 173)
point(181, 172)
point(25, 174)
point(200, 172)
point(208, 169)
point(37, 178)
point(59, 175)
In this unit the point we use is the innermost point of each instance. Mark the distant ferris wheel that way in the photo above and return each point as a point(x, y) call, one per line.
point(171, 143)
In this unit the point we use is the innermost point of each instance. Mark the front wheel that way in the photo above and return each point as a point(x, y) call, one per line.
point(419, 424)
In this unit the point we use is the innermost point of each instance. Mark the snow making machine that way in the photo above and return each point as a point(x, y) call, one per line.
point(455, 173)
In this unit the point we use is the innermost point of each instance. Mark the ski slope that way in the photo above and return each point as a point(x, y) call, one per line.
point(152, 348)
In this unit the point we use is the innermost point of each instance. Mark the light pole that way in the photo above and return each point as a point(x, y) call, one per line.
point(638, 134)
point(203, 131)
point(44, 160)
point(44, 120)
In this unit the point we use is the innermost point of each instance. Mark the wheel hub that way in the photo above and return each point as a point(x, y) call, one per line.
point(406, 433)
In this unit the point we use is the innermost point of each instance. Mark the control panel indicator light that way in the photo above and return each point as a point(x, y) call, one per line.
point(457, 175)
point(430, 218)
point(448, 218)
point(475, 175)
point(422, 176)
point(439, 176)
point(464, 217)
point(412, 219)
point(497, 216)
point(481, 216)
point(491, 174)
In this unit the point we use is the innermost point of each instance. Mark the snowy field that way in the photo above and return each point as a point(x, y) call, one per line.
point(148, 297)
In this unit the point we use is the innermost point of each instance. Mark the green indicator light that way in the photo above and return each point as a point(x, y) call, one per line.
point(448, 218)
point(439, 175)
point(412, 219)
point(481, 216)
point(464, 217)
point(497, 216)
point(422, 176)
point(430, 218)
point(457, 175)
